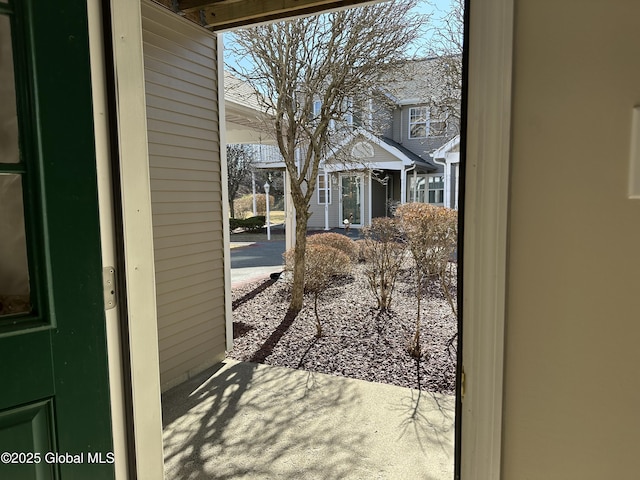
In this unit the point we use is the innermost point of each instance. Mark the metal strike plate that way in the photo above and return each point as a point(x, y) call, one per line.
point(109, 284)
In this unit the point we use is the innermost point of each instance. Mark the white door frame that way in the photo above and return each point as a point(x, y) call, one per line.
point(488, 136)
point(485, 247)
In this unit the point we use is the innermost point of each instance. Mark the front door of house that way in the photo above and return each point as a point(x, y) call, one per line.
point(351, 199)
point(54, 396)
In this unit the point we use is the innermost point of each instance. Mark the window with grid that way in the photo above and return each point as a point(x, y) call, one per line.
point(324, 189)
point(418, 122)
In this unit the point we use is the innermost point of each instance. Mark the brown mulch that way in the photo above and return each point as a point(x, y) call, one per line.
point(358, 340)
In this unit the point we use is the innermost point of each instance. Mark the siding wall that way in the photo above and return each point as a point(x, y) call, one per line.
point(186, 194)
point(420, 146)
point(317, 218)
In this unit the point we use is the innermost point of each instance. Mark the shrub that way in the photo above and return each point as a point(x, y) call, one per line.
point(249, 224)
point(360, 246)
point(432, 235)
point(322, 263)
point(245, 204)
point(337, 241)
point(384, 252)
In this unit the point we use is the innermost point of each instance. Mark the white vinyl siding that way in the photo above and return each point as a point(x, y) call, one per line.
point(186, 193)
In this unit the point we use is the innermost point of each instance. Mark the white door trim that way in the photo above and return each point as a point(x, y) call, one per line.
point(107, 234)
point(135, 187)
point(485, 237)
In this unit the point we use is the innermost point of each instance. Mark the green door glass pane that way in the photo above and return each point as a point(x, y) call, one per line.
point(9, 152)
point(14, 268)
point(351, 195)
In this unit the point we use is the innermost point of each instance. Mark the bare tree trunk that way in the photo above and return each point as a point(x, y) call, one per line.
point(315, 310)
point(231, 208)
point(297, 289)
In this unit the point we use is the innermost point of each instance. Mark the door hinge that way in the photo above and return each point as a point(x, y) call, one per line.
point(109, 286)
point(462, 384)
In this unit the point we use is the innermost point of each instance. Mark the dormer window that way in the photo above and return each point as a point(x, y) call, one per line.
point(418, 122)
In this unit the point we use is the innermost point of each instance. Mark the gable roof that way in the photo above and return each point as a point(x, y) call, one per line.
point(448, 147)
point(405, 156)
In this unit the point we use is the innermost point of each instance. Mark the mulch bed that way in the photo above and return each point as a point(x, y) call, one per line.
point(358, 340)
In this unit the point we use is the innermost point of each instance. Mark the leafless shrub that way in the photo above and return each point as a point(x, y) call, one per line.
point(384, 251)
point(360, 246)
point(244, 205)
point(432, 234)
point(335, 240)
point(323, 264)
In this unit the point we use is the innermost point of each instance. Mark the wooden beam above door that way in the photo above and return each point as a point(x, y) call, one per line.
point(226, 14)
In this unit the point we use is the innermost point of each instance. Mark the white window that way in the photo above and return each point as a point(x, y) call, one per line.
point(418, 122)
point(324, 189)
point(317, 106)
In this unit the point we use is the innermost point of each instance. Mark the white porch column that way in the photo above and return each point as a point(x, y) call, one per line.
point(253, 186)
point(370, 202)
point(403, 186)
point(326, 200)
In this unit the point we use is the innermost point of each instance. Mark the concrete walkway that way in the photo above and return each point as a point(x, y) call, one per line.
point(249, 421)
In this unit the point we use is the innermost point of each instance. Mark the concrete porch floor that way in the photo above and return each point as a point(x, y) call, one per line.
point(244, 420)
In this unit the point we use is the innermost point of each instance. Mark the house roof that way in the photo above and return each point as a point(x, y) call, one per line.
point(405, 156)
point(451, 146)
point(417, 81)
point(426, 165)
point(245, 117)
point(240, 92)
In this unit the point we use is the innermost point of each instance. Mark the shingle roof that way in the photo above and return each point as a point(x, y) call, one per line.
point(426, 165)
point(241, 92)
point(417, 81)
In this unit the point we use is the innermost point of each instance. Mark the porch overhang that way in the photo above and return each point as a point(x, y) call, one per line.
point(226, 14)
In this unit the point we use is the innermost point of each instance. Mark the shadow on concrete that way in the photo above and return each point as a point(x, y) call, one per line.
point(251, 421)
point(244, 420)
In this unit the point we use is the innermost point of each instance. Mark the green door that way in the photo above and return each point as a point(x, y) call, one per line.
point(54, 396)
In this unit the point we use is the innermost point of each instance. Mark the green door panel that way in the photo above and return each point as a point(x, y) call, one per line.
point(25, 432)
point(54, 385)
point(26, 357)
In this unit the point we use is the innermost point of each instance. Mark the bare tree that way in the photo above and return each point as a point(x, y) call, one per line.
point(445, 47)
point(311, 74)
point(239, 162)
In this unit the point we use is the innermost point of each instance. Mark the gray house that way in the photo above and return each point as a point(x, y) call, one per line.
point(389, 157)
